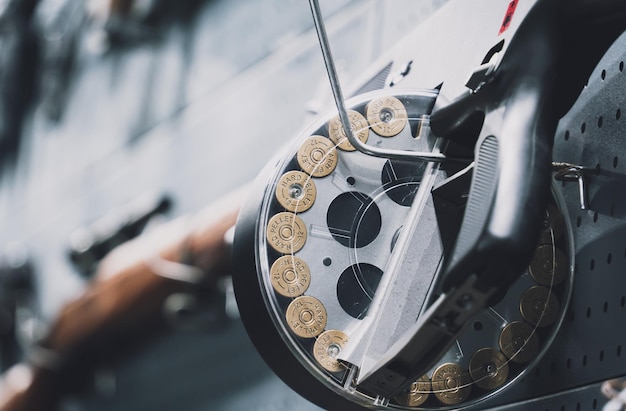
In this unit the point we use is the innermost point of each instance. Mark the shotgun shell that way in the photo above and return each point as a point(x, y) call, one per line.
point(386, 116)
point(418, 394)
point(519, 342)
point(327, 347)
point(290, 276)
point(539, 306)
point(306, 316)
point(296, 191)
point(317, 156)
point(286, 233)
point(548, 266)
point(451, 384)
point(488, 368)
point(359, 127)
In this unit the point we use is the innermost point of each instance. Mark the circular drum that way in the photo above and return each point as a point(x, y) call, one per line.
point(324, 241)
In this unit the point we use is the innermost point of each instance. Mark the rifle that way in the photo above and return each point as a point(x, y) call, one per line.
point(123, 304)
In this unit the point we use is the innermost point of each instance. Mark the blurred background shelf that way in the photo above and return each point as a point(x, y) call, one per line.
point(192, 106)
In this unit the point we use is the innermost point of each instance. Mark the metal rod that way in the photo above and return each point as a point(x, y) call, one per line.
point(330, 68)
point(341, 107)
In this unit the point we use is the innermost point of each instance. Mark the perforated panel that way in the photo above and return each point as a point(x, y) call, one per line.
point(591, 346)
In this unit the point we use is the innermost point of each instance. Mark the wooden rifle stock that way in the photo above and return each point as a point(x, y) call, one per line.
point(124, 302)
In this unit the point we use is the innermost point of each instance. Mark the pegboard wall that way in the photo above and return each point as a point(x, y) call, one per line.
point(591, 345)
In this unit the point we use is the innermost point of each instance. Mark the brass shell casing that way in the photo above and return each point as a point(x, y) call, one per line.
point(386, 116)
point(290, 276)
point(539, 306)
point(519, 342)
point(306, 316)
point(317, 156)
point(359, 126)
point(286, 233)
point(327, 347)
point(296, 191)
point(418, 394)
point(488, 368)
point(451, 383)
point(548, 266)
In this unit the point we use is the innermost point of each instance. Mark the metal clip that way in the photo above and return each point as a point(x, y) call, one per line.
point(572, 172)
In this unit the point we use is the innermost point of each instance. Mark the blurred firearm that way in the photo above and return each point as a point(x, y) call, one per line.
point(124, 302)
point(89, 245)
point(17, 60)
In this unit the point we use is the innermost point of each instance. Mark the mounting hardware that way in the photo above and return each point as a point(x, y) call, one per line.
point(573, 172)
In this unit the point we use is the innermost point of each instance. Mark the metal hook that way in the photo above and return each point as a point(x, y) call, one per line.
point(573, 172)
point(341, 108)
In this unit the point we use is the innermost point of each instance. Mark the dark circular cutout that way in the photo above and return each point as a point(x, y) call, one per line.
point(401, 180)
point(356, 287)
point(353, 219)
